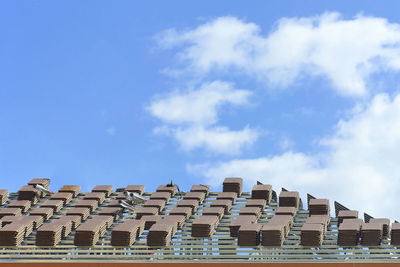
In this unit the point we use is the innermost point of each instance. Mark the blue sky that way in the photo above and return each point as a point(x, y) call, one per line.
point(299, 94)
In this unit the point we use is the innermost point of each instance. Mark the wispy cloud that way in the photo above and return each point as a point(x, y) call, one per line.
point(190, 116)
point(346, 52)
point(197, 106)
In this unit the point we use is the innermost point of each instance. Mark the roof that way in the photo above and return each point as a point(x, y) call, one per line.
point(220, 246)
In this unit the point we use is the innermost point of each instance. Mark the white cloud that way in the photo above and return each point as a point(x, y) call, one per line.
point(198, 106)
point(190, 117)
point(347, 52)
point(216, 139)
point(359, 166)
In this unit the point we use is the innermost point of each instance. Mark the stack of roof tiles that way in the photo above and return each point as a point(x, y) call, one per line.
point(260, 203)
point(8, 219)
point(349, 232)
point(49, 234)
point(227, 195)
point(91, 204)
point(125, 234)
point(286, 211)
point(115, 212)
point(27, 192)
point(213, 211)
point(226, 204)
point(66, 226)
point(155, 203)
point(87, 234)
point(113, 202)
point(66, 197)
point(24, 205)
point(276, 229)
point(233, 185)
point(347, 214)
point(12, 234)
point(285, 220)
point(174, 224)
point(249, 234)
point(139, 189)
point(385, 224)
point(177, 220)
point(161, 195)
point(395, 234)
point(73, 189)
point(46, 213)
point(145, 211)
point(262, 191)
point(193, 204)
point(74, 219)
point(318, 206)
point(160, 234)
point(10, 212)
point(106, 189)
point(273, 234)
point(36, 221)
point(289, 199)
point(27, 221)
point(98, 196)
point(319, 219)
point(204, 226)
point(256, 211)
point(239, 221)
point(184, 211)
point(149, 220)
point(199, 196)
point(82, 212)
point(371, 234)
point(104, 221)
point(45, 182)
point(201, 188)
point(311, 235)
point(171, 189)
point(55, 204)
